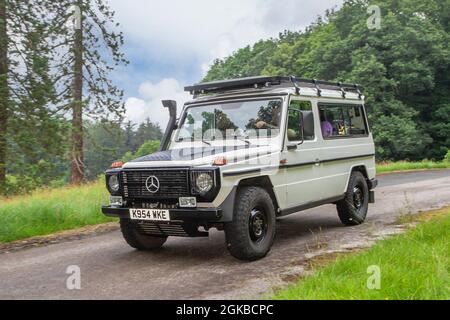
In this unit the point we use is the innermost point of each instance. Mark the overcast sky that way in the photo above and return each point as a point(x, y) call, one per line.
point(171, 43)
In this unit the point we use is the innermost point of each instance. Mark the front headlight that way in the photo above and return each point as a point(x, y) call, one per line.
point(204, 183)
point(113, 183)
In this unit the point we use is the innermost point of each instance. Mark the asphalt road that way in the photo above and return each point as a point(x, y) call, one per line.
point(202, 268)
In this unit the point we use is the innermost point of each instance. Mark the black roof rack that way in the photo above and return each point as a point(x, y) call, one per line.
point(269, 81)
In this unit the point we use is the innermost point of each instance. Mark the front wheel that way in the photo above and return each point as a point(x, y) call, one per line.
point(352, 210)
point(252, 232)
point(137, 240)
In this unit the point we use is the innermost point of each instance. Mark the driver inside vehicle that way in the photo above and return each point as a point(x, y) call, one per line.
point(274, 121)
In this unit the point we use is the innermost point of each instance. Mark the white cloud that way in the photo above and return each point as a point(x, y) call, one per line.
point(176, 30)
point(182, 38)
point(148, 104)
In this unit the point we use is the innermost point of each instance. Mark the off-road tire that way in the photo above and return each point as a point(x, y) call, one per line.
point(238, 234)
point(350, 213)
point(137, 240)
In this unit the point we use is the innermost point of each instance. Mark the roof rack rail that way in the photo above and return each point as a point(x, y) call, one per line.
point(269, 81)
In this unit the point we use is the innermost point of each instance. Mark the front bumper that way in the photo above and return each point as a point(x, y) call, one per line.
point(198, 215)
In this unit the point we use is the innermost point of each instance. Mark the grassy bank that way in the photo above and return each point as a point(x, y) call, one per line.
point(405, 166)
point(48, 211)
point(415, 265)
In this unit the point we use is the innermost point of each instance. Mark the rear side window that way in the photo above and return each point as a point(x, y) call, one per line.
point(340, 121)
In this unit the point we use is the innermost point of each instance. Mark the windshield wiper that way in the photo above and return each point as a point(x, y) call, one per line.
point(206, 142)
point(244, 139)
point(181, 139)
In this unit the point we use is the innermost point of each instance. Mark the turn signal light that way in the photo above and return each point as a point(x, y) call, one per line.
point(221, 161)
point(117, 164)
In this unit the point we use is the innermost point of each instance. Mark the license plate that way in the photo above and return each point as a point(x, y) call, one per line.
point(150, 214)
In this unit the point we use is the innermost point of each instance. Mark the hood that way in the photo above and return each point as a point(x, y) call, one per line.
point(199, 156)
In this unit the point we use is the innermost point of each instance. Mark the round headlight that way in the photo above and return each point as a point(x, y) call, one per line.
point(113, 183)
point(204, 183)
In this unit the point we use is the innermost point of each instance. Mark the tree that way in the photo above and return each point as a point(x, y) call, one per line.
point(25, 87)
point(246, 62)
point(103, 145)
point(147, 148)
point(108, 141)
point(85, 61)
point(36, 156)
point(147, 130)
point(4, 90)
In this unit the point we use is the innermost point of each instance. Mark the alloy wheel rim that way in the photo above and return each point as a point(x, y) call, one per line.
point(358, 198)
point(258, 225)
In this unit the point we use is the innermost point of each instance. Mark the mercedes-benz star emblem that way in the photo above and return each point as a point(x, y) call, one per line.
point(152, 184)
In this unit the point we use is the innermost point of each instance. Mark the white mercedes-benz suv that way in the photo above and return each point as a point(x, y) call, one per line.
point(243, 153)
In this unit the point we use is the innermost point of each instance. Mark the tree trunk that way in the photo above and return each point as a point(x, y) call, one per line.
point(77, 161)
point(4, 92)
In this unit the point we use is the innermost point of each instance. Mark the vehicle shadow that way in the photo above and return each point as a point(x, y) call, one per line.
point(298, 228)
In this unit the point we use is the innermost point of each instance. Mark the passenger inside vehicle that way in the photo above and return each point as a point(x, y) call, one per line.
point(326, 125)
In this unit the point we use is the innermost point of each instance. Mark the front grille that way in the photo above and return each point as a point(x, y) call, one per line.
point(154, 229)
point(161, 229)
point(155, 205)
point(173, 183)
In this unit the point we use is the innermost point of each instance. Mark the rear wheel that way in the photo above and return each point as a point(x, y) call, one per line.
point(137, 240)
point(352, 210)
point(251, 234)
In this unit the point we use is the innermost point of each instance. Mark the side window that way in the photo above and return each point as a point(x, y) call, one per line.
point(294, 130)
point(342, 121)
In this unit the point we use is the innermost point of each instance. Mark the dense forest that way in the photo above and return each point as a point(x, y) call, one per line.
point(403, 65)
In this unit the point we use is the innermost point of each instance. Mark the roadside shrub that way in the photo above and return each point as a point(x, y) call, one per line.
point(147, 148)
point(447, 156)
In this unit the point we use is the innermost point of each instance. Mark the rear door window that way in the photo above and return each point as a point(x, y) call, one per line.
point(342, 121)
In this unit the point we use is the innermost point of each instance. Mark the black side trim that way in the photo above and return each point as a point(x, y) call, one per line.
point(309, 205)
point(287, 166)
point(348, 158)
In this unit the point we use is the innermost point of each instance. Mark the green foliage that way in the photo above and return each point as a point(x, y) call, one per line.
point(403, 68)
point(147, 148)
point(414, 266)
point(447, 156)
point(110, 141)
point(248, 61)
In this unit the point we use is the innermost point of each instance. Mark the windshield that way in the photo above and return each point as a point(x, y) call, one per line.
point(247, 119)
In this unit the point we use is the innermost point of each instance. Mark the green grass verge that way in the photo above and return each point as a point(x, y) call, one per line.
point(404, 166)
point(49, 211)
point(414, 265)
